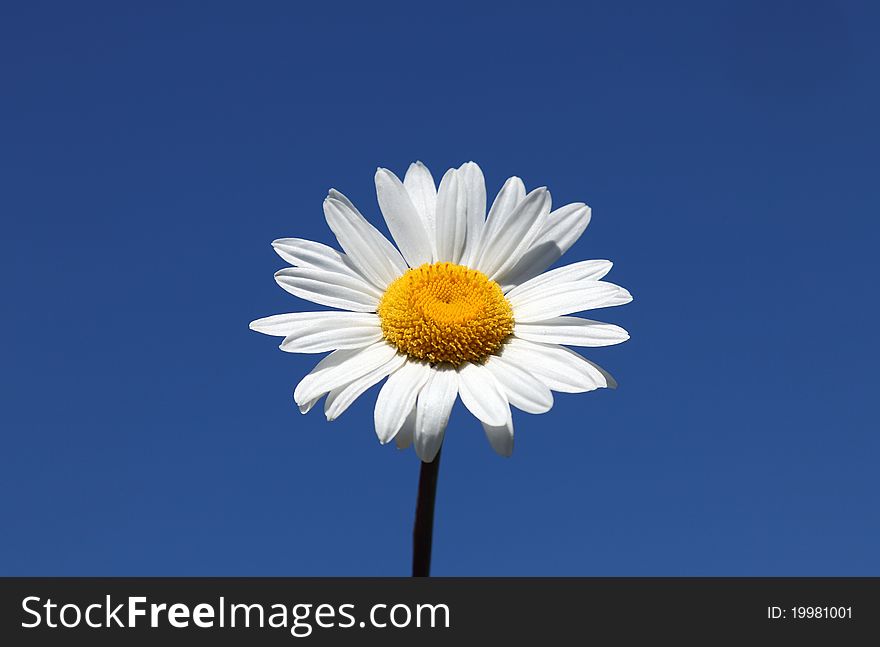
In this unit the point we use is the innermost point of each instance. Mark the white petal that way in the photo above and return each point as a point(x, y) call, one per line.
point(308, 253)
point(556, 366)
point(341, 367)
point(341, 398)
point(473, 185)
point(433, 407)
point(564, 298)
point(404, 222)
point(328, 288)
point(511, 194)
point(451, 218)
point(374, 256)
point(398, 398)
point(323, 335)
point(505, 240)
point(322, 341)
point(305, 407)
point(524, 391)
point(501, 437)
point(571, 331)
point(580, 271)
point(559, 231)
point(609, 380)
point(404, 437)
point(322, 368)
point(420, 185)
point(319, 332)
point(482, 395)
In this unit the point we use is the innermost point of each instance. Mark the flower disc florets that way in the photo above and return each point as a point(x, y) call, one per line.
point(443, 312)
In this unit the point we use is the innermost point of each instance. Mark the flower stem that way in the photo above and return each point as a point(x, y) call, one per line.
point(423, 529)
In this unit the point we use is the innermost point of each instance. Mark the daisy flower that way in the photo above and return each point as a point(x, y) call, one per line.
point(462, 307)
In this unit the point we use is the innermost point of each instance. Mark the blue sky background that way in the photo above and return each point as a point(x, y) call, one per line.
point(149, 154)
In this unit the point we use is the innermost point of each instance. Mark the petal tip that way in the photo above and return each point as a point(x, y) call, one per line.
point(382, 171)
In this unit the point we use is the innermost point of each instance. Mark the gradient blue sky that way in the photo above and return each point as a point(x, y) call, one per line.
point(149, 154)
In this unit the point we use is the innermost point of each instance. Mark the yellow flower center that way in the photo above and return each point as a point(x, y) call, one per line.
point(443, 312)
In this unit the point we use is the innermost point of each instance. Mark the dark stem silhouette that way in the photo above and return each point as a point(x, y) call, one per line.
point(423, 530)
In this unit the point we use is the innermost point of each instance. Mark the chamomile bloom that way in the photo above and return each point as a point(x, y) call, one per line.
point(462, 307)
